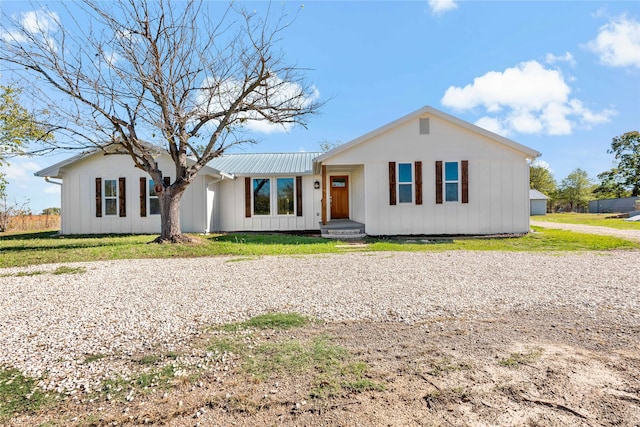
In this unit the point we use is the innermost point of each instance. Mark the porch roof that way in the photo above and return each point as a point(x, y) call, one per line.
point(252, 164)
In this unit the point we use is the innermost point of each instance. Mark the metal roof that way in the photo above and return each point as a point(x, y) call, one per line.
point(300, 163)
point(536, 195)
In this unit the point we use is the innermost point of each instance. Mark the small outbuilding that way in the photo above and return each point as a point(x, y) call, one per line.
point(537, 203)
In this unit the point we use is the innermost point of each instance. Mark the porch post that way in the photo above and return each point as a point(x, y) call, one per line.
point(324, 195)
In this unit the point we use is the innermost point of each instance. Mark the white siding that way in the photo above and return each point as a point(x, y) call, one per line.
point(79, 198)
point(498, 182)
point(230, 209)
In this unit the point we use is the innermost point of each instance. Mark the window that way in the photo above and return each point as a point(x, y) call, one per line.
point(451, 181)
point(154, 201)
point(405, 182)
point(261, 196)
point(285, 196)
point(110, 197)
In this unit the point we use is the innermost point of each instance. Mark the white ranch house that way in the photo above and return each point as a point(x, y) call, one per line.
point(427, 173)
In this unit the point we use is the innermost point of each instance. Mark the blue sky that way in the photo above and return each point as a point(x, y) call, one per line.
point(560, 77)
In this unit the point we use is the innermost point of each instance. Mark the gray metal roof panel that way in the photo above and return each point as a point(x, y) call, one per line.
point(300, 163)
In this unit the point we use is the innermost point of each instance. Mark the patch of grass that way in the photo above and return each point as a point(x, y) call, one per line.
point(148, 359)
point(589, 219)
point(69, 270)
point(24, 273)
point(268, 321)
point(331, 367)
point(445, 366)
point(223, 345)
point(39, 248)
point(121, 388)
point(19, 394)
point(516, 359)
point(90, 358)
point(277, 321)
point(60, 270)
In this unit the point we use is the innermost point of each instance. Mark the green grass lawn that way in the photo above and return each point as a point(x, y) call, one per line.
point(589, 219)
point(22, 249)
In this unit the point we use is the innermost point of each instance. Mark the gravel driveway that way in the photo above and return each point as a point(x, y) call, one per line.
point(50, 323)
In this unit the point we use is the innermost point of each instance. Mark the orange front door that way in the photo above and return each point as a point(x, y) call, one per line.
point(339, 197)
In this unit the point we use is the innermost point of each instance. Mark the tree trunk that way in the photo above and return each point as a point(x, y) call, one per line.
point(170, 231)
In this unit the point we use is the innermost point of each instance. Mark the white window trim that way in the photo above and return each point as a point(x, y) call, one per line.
point(253, 202)
point(445, 182)
point(413, 183)
point(149, 197)
point(295, 201)
point(105, 197)
point(273, 197)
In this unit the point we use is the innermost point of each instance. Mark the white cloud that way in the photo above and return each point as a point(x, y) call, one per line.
point(37, 23)
point(280, 93)
point(493, 125)
point(542, 164)
point(438, 7)
point(618, 43)
point(567, 57)
point(527, 98)
point(18, 171)
point(40, 21)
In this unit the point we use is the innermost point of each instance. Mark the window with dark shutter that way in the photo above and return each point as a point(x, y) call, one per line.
point(418, 167)
point(247, 197)
point(298, 196)
point(98, 197)
point(439, 182)
point(143, 197)
point(465, 180)
point(392, 183)
point(122, 204)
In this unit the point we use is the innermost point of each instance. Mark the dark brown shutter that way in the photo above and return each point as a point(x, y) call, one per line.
point(298, 196)
point(418, 166)
point(167, 181)
point(143, 197)
point(247, 197)
point(438, 182)
point(98, 197)
point(392, 183)
point(122, 196)
point(465, 181)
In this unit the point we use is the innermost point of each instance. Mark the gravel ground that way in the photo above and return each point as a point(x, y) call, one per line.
point(591, 229)
point(50, 323)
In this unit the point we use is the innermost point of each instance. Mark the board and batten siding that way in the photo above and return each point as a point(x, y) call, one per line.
point(78, 198)
point(230, 212)
point(498, 181)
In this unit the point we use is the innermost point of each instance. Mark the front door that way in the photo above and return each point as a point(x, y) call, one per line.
point(339, 197)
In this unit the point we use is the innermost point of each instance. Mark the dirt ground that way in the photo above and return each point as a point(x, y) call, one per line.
point(562, 368)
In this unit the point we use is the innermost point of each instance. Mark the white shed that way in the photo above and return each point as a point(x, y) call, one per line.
point(537, 203)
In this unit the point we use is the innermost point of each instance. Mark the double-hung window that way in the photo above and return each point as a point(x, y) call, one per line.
point(405, 182)
point(451, 181)
point(110, 195)
point(154, 201)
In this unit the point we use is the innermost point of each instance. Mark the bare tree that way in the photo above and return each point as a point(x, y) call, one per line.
point(183, 76)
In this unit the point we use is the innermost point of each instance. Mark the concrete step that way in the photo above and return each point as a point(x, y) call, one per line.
point(342, 231)
point(343, 236)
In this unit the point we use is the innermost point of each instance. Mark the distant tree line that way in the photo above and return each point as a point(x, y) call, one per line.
point(574, 192)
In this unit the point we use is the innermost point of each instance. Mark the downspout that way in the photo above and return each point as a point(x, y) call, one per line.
point(48, 179)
